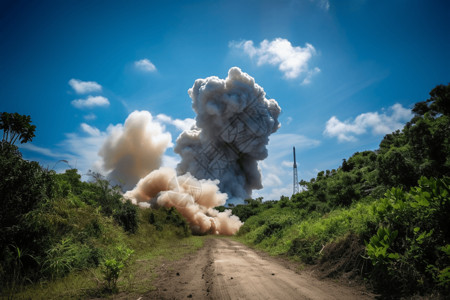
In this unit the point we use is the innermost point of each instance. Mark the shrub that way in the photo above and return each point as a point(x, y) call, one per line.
point(113, 266)
point(127, 217)
point(409, 250)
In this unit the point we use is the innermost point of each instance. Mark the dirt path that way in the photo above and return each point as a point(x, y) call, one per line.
point(226, 269)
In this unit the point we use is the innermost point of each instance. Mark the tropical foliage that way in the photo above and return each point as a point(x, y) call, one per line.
point(390, 205)
point(52, 224)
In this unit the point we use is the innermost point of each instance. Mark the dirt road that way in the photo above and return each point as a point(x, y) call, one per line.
point(226, 269)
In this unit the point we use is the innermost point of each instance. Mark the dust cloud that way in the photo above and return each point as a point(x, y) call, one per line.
point(194, 199)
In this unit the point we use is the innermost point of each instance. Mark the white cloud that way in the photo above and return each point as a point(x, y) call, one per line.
point(309, 75)
point(378, 124)
point(324, 4)
point(292, 61)
point(84, 150)
point(90, 117)
point(170, 161)
point(182, 125)
point(83, 87)
point(275, 193)
point(271, 180)
point(40, 150)
point(278, 148)
point(78, 151)
point(90, 102)
point(92, 131)
point(287, 163)
point(145, 65)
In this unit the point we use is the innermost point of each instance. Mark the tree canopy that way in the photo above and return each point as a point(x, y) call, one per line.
point(16, 127)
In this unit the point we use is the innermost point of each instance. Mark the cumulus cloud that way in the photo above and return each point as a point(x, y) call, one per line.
point(83, 87)
point(145, 65)
point(90, 102)
point(375, 122)
point(291, 60)
point(134, 149)
point(182, 125)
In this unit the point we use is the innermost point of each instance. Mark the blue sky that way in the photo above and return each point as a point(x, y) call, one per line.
point(344, 72)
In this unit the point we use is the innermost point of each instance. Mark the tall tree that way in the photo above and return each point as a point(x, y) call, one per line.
point(16, 127)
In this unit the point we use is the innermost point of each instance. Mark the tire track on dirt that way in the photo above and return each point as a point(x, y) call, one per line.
point(226, 269)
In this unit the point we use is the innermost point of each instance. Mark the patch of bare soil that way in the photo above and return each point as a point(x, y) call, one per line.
point(226, 269)
point(344, 260)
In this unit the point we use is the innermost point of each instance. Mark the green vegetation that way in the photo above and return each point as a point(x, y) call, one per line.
point(63, 237)
point(16, 127)
point(382, 214)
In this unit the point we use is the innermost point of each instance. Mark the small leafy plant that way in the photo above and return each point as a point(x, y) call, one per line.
point(113, 267)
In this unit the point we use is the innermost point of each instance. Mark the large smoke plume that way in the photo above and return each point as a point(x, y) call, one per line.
point(133, 150)
point(194, 199)
point(233, 123)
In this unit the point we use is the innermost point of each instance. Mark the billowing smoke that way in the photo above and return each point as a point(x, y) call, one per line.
point(233, 124)
point(194, 199)
point(135, 149)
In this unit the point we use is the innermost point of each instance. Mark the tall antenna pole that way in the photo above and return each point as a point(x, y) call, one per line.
point(296, 188)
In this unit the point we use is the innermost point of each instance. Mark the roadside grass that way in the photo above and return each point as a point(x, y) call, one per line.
point(152, 246)
point(289, 233)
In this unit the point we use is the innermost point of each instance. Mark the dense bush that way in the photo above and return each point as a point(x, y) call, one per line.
point(24, 187)
point(410, 249)
point(251, 208)
point(127, 216)
point(168, 219)
point(50, 223)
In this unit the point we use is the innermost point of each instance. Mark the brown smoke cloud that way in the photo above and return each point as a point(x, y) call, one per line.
point(134, 149)
point(194, 199)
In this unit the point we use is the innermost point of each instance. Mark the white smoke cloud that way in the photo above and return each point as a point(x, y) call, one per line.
point(379, 124)
point(233, 124)
point(134, 149)
point(145, 65)
point(194, 199)
point(90, 102)
point(83, 87)
point(292, 61)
